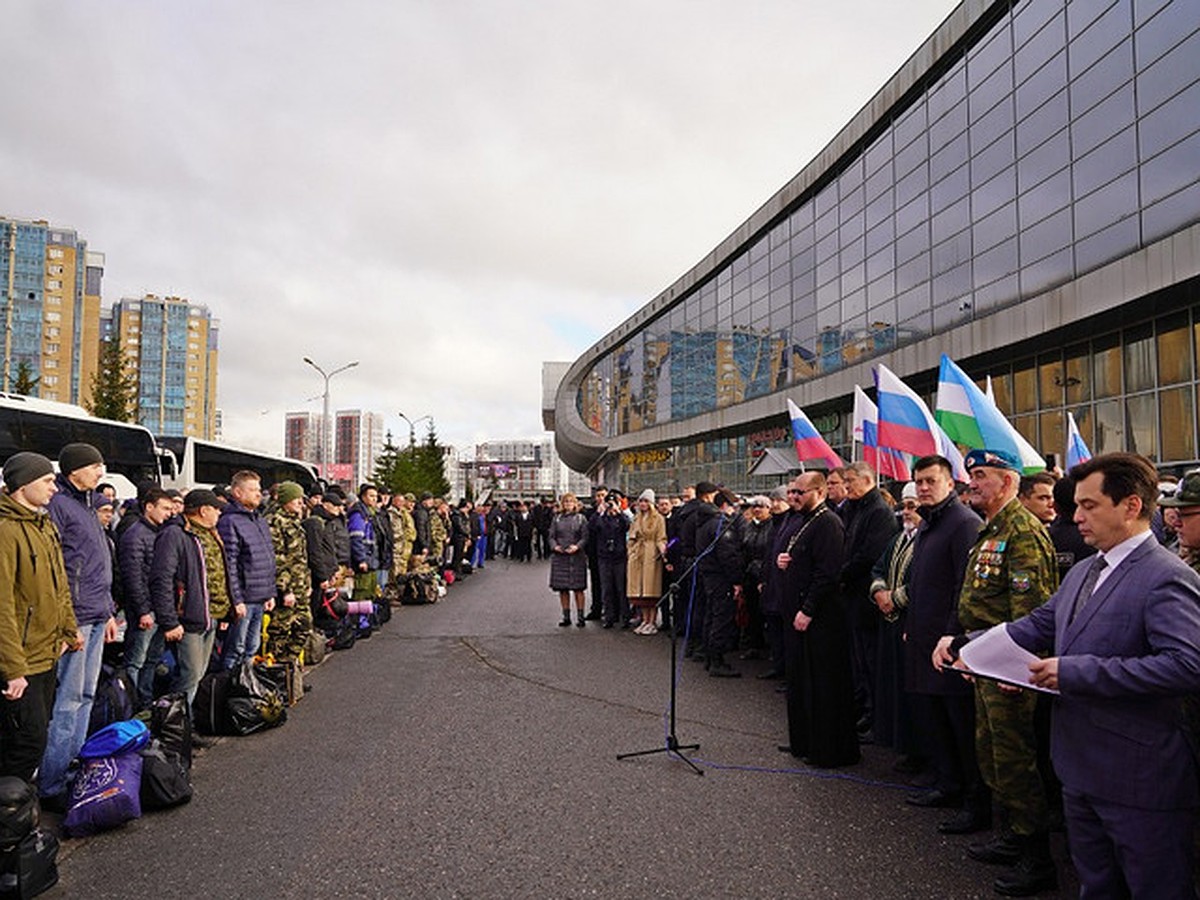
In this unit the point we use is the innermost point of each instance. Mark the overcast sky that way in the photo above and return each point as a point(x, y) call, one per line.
point(449, 192)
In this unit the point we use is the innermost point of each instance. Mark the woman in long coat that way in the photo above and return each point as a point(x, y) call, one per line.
point(647, 546)
point(568, 563)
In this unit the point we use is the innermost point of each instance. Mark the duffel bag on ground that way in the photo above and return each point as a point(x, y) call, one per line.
point(253, 706)
point(106, 794)
point(210, 709)
point(30, 867)
point(115, 739)
point(171, 724)
point(314, 650)
point(341, 634)
point(165, 781)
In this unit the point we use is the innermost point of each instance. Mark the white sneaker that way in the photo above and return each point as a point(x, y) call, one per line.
point(650, 629)
point(641, 629)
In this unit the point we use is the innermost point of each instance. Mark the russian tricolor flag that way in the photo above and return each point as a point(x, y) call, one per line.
point(809, 443)
point(905, 422)
point(884, 460)
point(1077, 450)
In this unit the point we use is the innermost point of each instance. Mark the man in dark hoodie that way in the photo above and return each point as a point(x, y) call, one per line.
point(89, 573)
point(37, 621)
point(144, 639)
point(250, 562)
point(189, 575)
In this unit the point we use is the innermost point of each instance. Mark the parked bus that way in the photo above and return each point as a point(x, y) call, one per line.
point(202, 463)
point(131, 455)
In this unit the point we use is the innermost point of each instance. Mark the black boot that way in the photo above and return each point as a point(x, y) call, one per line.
point(580, 619)
point(565, 620)
point(1003, 849)
point(1034, 871)
point(718, 668)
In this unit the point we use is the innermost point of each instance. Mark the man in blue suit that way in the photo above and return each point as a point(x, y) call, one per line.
point(1125, 634)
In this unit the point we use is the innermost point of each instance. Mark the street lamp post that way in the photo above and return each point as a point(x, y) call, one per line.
point(325, 423)
point(412, 427)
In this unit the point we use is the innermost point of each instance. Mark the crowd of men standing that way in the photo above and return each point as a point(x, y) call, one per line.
point(862, 602)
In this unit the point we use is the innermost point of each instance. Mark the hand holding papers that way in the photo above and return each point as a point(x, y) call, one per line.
point(996, 656)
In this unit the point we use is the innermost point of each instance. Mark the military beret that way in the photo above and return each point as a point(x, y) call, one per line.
point(996, 459)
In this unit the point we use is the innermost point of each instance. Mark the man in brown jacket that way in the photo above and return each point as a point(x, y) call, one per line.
point(37, 622)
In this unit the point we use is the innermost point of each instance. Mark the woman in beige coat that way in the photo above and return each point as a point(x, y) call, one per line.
point(647, 547)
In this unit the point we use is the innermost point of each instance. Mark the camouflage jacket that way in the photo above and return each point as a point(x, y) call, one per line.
point(404, 531)
point(291, 555)
point(1011, 570)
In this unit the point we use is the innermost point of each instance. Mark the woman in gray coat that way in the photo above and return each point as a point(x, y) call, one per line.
point(568, 564)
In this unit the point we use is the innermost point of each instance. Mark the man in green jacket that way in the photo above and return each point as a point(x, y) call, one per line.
point(37, 621)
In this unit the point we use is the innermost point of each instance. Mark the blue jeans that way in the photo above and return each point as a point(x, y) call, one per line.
point(194, 651)
point(143, 651)
point(78, 673)
point(480, 554)
point(243, 638)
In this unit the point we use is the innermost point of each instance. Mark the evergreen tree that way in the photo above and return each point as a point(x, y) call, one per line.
point(25, 384)
point(429, 467)
point(114, 386)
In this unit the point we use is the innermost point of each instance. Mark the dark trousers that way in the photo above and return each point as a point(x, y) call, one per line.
point(596, 604)
point(612, 588)
point(541, 540)
point(946, 724)
point(720, 627)
point(522, 550)
point(754, 637)
point(1120, 851)
point(773, 624)
point(864, 644)
point(24, 724)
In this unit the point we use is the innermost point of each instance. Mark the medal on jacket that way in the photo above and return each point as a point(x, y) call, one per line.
point(988, 562)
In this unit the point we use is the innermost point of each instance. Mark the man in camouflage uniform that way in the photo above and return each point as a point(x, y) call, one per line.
point(291, 622)
point(1011, 571)
point(439, 529)
point(404, 532)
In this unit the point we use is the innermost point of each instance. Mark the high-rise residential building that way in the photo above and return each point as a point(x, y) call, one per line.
point(172, 344)
point(302, 434)
point(50, 299)
point(357, 442)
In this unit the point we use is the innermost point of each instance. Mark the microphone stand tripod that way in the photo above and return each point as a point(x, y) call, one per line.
point(672, 745)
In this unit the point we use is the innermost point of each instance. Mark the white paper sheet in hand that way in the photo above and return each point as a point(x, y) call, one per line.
point(997, 656)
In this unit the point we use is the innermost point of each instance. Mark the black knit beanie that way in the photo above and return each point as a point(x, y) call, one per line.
point(22, 468)
point(76, 456)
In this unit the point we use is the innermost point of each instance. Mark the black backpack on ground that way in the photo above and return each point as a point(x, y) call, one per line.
point(165, 780)
point(114, 700)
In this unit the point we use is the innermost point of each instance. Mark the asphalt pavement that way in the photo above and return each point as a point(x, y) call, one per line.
point(469, 749)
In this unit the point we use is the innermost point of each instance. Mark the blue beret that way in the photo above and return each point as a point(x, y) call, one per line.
point(996, 459)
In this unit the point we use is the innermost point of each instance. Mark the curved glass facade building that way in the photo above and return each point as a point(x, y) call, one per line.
point(1023, 194)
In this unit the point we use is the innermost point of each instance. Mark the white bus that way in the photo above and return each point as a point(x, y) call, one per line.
point(201, 463)
point(131, 455)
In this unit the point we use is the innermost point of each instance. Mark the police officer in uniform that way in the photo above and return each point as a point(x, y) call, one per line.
point(1011, 571)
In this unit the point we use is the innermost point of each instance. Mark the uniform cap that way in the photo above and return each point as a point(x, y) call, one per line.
point(995, 459)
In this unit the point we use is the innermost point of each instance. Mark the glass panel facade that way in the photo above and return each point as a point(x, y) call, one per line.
point(1063, 139)
point(1093, 379)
